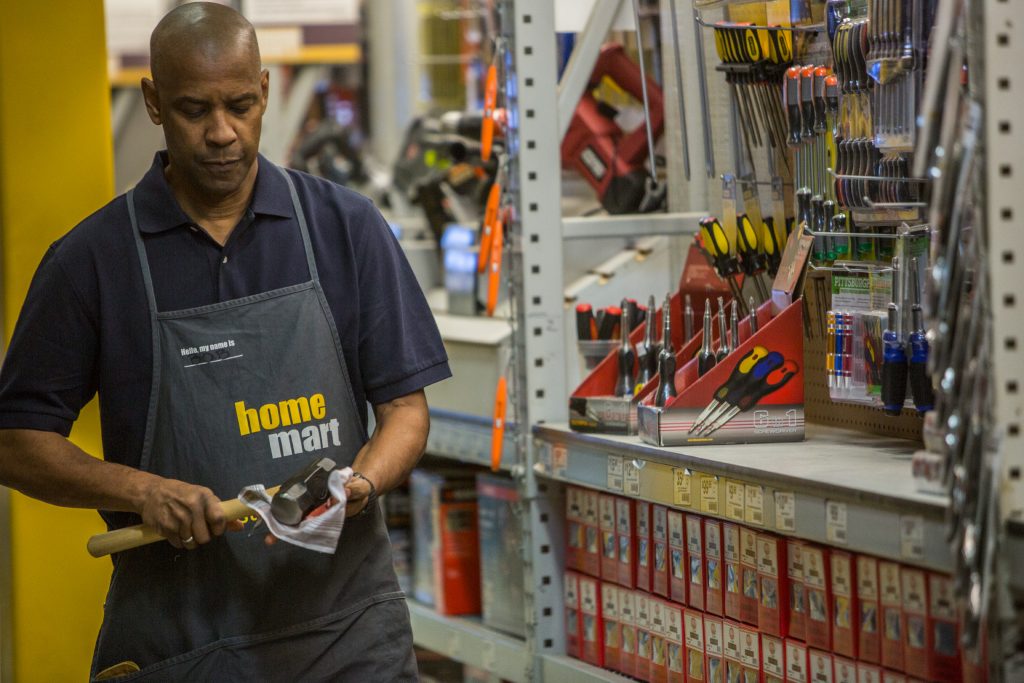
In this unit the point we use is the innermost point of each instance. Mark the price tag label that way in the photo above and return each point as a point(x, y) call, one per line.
point(631, 475)
point(681, 487)
point(615, 481)
point(559, 460)
point(835, 522)
point(911, 537)
point(734, 505)
point(754, 504)
point(785, 511)
point(709, 494)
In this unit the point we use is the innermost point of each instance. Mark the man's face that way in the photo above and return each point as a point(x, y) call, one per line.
point(211, 108)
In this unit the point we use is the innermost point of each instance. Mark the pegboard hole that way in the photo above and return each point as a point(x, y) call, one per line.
point(1006, 171)
point(546, 611)
point(529, 82)
point(545, 580)
point(529, 113)
point(1004, 127)
point(543, 518)
point(533, 206)
point(535, 270)
point(1014, 429)
point(532, 175)
point(536, 301)
point(539, 393)
point(527, 18)
point(548, 644)
point(1003, 83)
point(1011, 387)
point(538, 363)
point(534, 238)
point(1010, 343)
point(1014, 473)
point(545, 549)
point(1007, 213)
point(1009, 300)
point(531, 144)
point(1008, 257)
point(528, 50)
point(1003, 40)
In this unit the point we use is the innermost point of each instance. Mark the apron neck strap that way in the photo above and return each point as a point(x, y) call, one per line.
point(147, 276)
point(303, 228)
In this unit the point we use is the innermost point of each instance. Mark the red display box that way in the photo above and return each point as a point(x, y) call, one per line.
point(644, 558)
point(625, 511)
point(751, 597)
point(612, 625)
point(942, 624)
point(573, 639)
point(575, 532)
point(797, 592)
point(592, 630)
point(696, 664)
point(659, 536)
point(733, 574)
point(714, 648)
point(844, 604)
point(820, 666)
point(773, 659)
point(714, 593)
point(643, 637)
point(917, 644)
point(659, 655)
point(772, 612)
point(627, 627)
point(677, 556)
point(674, 639)
point(894, 624)
point(695, 561)
point(819, 605)
point(869, 631)
point(609, 544)
point(796, 662)
point(591, 558)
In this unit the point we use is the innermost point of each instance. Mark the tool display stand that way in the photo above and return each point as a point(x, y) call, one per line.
point(743, 416)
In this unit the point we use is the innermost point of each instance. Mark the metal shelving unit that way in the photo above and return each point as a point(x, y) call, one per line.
point(568, 670)
point(467, 438)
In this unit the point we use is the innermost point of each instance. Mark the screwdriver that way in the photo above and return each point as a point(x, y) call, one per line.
point(626, 383)
point(715, 245)
point(748, 247)
point(894, 366)
point(723, 343)
point(828, 210)
point(739, 374)
point(774, 240)
point(734, 327)
point(830, 356)
point(687, 320)
point(736, 386)
point(755, 392)
point(706, 358)
point(633, 308)
point(920, 382)
point(819, 250)
point(649, 355)
point(753, 317)
point(609, 323)
point(842, 244)
point(586, 326)
point(666, 359)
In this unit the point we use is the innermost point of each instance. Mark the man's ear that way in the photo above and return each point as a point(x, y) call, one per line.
point(152, 100)
point(264, 87)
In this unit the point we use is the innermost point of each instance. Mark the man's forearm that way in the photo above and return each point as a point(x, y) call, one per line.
point(397, 443)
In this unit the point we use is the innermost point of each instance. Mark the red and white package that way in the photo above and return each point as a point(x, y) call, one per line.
point(677, 556)
point(714, 648)
point(695, 561)
point(819, 607)
point(820, 666)
point(573, 639)
point(892, 619)
point(748, 568)
point(612, 625)
point(627, 629)
point(642, 541)
point(733, 657)
point(845, 669)
point(917, 644)
point(591, 560)
point(642, 663)
point(773, 659)
point(609, 546)
point(797, 593)
point(674, 639)
point(733, 574)
point(868, 673)
point(773, 588)
point(696, 670)
point(750, 654)
point(714, 595)
point(624, 530)
point(942, 624)
point(658, 626)
point(869, 635)
point(659, 536)
point(844, 604)
point(590, 615)
point(796, 662)
point(576, 536)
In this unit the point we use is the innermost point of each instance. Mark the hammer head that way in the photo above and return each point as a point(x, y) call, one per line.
point(304, 492)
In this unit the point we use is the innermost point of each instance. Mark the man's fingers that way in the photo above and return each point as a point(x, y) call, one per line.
point(215, 520)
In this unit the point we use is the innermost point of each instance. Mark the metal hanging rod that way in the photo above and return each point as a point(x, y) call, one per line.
point(879, 178)
point(812, 28)
point(893, 205)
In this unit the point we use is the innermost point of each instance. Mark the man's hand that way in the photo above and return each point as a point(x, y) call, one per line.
point(187, 516)
point(358, 491)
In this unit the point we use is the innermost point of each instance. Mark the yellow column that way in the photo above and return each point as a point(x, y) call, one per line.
point(56, 168)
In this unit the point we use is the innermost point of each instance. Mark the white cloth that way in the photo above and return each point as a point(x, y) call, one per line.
point(320, 533)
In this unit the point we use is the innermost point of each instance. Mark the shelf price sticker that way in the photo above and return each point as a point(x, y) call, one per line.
point(785, 511)
point(559, 460)
point(835, 522)
point(615, 480)
point(734, 505)
point(681, 478)
point(709, 494)
point(631, 477)
point(754, 504)
point(911, 537)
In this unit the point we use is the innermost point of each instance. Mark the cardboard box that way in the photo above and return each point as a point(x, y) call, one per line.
point(748, 568)
point(591, 560)
point(678, 580)
point(627, 628)
point(892, 619)
point(844, 604)
point(575, 541)
point(500, 562)
point(696, 670)
point(772, 612)
point(609, 544)
point(590, 615)
point(917, 644)
point(750, 654)
point(624, 532)
point(612, 625)
point(869, 632)
point(643, 637)
point(797, 593)
point(714, 648)
point(659, 655)
point(659, 535)
point(573, 639)
point(733, 574)
point(644, 559)
point(695, 561)
point(845, 669)
point(674, 638)
point(773, 659)
point(796, 662)
point(819, 606)
point(868, 673)
point(732, 652)
point(714, 592)
point(820, 666)
point(942, 624)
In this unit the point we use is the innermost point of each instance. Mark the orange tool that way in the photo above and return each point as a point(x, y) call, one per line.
point(490, 101)
point(494, 269)
point(487, 228)
point(498, 427)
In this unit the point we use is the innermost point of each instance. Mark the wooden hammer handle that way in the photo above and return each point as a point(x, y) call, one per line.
point(141, 534)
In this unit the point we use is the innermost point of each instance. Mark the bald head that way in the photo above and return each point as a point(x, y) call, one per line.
point(207, 28)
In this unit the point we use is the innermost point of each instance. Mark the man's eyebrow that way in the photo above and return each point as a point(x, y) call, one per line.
point(185, 99)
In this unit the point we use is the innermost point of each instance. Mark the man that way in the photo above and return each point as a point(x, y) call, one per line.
point(226, 312)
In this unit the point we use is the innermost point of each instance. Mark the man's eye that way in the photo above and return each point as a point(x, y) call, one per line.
point(241, 108)
point(193, 113)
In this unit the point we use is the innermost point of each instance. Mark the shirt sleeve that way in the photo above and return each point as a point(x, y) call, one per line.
point(400, 349)
point(48, 372)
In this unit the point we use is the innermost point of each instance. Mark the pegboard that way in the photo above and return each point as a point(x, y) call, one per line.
point(818, 406)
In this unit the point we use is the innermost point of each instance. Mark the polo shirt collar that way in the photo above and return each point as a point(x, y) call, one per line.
point(158, 210)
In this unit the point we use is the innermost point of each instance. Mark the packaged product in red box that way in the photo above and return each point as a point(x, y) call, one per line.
point(869, 636)
point(575, 533)
point(820, 666)
point(714, 648)
point(609, 546)
point(590, 616)
point(844, 604)
point(774, 593)
point(819, 607)
point(868, 673)
point(659, 655)
point(627, 626)
point(659, 536)
point(731, 633)
point(573, 641)
point(893, 621)
point(612, 625)
point(797, 592)
point(591, 561)
point(942, 624)
point(748, 569)
point(773, 659)
point(696, 670)
point(917, 644)
point(677, 556)
point(674, 639)
point(750, 654)
point(845, 669)
point(624, 513)
point(796, 662)
point(714, 594)
point(695, 561)
point(733, 574)
point(643, 637)
point(893, 677)
point(642, 543)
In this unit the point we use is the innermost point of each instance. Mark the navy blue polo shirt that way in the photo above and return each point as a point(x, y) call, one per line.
point(85, 328)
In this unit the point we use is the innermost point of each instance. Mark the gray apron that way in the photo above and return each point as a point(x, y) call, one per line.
point(249, 391)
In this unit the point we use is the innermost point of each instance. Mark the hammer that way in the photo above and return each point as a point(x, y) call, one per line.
point(292, 500)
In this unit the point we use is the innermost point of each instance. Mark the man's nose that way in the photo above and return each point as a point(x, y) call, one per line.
point(220, 133)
